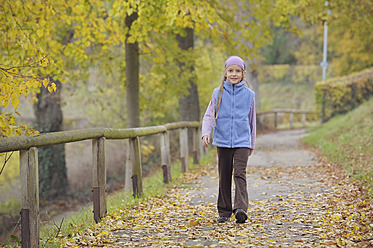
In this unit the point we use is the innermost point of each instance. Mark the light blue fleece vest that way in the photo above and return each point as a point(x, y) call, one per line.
point(232, 128)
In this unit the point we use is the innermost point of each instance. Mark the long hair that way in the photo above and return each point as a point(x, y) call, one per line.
point(223, 78)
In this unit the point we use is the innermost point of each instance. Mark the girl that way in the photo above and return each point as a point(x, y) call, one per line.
point(232, 110)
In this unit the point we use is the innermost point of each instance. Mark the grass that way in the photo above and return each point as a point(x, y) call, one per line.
point(286, 96)
point(347, 140)
point(52, 236)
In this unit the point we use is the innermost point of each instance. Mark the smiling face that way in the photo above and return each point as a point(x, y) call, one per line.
point(234, 74)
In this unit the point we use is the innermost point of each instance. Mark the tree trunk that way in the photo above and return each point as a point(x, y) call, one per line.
point(53, 181)
point(252, 76)
point(132, 77)
point(189, 103)
point(132, 90)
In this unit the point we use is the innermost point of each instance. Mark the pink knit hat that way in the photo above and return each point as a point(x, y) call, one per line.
point(235, 60)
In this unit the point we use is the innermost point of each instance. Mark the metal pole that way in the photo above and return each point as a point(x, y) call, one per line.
point(324, 63)
point(325, 51)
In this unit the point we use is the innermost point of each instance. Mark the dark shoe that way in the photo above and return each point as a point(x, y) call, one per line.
point(222, 219)
point(240, 216)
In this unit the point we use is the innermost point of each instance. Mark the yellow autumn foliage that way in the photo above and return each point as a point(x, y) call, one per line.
point(37, 44)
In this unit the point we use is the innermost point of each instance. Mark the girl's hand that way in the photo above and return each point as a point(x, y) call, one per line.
point(206, 141)
point(250, 151)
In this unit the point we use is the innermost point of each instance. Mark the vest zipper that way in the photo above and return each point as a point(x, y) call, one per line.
point(232, 117)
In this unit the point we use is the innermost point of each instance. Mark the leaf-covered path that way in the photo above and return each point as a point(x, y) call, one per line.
point(295, 201)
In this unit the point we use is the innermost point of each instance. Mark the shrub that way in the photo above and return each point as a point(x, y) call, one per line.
point(340, 95)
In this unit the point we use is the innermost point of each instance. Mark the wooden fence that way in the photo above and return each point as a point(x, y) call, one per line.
point(27, 146)
point(277, 112)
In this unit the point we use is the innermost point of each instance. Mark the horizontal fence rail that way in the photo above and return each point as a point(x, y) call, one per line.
point(55, 138)
point(27, 145)
point(291, 112)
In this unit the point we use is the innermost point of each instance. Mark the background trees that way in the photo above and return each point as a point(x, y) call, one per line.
point(44, 45)
point(350, 37)
point(41, 37)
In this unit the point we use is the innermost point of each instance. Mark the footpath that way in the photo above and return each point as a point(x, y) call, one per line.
point(295, 201)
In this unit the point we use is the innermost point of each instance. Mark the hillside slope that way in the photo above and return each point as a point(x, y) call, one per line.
point(347, 140)
point(286, 96)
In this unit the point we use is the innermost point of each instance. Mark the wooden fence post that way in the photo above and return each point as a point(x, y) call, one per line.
point(99, 178)
point(136, 166)
point(166, 157)
point(291, 119)
point(128, 168)
point(184, 150)
point(200, 146)
point(30, 197)
point(276, 119)
point(304, 118)
point(196, 146)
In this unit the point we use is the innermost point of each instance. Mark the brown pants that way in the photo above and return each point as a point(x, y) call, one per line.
point(232, 160)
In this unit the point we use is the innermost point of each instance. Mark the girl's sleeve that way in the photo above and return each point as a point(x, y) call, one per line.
point(252, 120)
point(209, 117)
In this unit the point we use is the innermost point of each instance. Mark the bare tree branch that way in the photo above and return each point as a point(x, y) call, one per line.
point(5, 161)
point(58, 230)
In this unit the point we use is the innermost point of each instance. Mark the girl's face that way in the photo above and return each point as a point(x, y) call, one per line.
point(234, 74)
